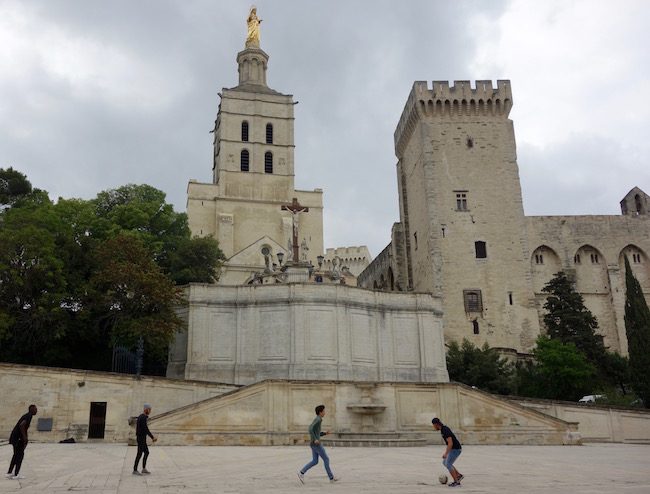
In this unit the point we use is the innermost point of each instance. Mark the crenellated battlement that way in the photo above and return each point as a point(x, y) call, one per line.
point(458, 101)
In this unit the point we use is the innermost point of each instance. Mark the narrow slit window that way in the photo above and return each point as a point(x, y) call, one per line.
point(510, 298)
point(269, 133)
point(244, 131)
point(475, 327)
point(268, 162)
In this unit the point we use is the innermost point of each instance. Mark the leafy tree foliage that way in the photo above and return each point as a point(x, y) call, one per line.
point(559, 371)
point(13, 186)
point(78, 276)
point(569, 321)
point(480, 367)
point(637, 328)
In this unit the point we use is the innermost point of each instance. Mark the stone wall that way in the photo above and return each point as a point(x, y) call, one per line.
point(591, 250)
point(65, 396)
point(279, 412)
point(246, 334)
point(597, 423)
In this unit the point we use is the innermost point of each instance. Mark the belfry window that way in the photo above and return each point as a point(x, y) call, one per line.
point(539, 259)
point(594, 259)
point(473, 301)
point(244, 160)
point(269, 133)
point(481, 249)
point(268, 162)
point(461, 200)
point(244, 131)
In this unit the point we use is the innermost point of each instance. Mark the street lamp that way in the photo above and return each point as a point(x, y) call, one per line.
point(320, 261)
point(280, 257)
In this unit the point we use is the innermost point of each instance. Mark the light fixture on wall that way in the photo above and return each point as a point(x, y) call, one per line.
point(280, 257)
point(320, 261)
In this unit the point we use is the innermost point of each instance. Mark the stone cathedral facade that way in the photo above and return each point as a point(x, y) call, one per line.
point(463, 235)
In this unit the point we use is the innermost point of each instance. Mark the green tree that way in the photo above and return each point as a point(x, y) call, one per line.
point(559, 371)
point(480, 367)
point(569, 321)
point(193, 260)
point(13, 186)
point(132, 298)
point(32, 284)
point(637, 328)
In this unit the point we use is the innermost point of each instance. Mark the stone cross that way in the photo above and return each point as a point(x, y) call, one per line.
point(295, 209)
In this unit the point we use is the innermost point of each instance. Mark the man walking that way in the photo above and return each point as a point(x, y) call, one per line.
point(18, 439)
point(141, 433)
point(317, 448)
point(452, 452)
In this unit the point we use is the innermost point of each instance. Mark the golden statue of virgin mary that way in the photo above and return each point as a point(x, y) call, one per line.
point(253, 36)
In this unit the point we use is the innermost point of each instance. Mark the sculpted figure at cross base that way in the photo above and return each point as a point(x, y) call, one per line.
point(253, 35)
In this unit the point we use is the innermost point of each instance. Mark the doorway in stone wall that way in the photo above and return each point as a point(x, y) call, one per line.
point(97, 422)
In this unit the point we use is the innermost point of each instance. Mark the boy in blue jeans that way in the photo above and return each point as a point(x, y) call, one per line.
point(317, 448)
point(452, 452)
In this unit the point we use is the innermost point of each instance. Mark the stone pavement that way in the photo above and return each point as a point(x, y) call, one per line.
point(106, 468)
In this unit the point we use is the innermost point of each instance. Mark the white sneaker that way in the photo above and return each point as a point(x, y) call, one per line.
point(18, 477)
point(301, 477)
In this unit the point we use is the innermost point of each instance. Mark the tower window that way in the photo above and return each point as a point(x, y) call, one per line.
point(510, 298)
point(594, 259)
point(244, 131)
point(539, 259)
point(415, 239)
point(481, 249)
point(473, 301)
point(475, 326)
point(576, 259)
point(636, 258)
point(461, 200)
point(269, 133)
point(637, 203)
point(268, 162)
point(244, 160)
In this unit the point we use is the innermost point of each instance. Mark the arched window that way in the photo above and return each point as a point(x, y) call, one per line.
point(269, 133)
point(637, 203)
point(244, 131)
point(268, 162)
point(475, 326)
point(244, 160)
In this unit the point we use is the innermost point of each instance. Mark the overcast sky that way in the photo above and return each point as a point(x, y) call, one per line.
point(97, 94)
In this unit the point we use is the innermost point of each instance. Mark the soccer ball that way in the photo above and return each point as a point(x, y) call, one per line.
point(443, 479)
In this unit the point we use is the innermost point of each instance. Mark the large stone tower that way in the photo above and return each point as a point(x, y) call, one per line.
point(253, 176)
point(462, 221)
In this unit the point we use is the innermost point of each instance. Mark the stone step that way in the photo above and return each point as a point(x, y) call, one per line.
point(374, 439)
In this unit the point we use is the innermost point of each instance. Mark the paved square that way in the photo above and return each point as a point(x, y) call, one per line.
point(106, 468)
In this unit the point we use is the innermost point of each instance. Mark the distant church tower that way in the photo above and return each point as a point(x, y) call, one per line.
point(253, 176)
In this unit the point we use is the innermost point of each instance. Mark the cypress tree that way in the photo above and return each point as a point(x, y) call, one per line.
point(637, 328)
point(568, 320)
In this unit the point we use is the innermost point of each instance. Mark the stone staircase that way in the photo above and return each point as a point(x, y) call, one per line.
point(374, 439)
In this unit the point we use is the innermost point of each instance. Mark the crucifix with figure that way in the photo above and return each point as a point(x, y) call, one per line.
point(295, 208)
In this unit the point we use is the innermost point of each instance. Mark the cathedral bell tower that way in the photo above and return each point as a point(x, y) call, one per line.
point(253, 173)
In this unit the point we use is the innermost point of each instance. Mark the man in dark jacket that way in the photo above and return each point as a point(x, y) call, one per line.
point(141, 433)
point(18, 439)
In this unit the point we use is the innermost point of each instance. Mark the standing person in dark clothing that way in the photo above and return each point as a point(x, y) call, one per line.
point(452, 452)
point(18, 439)
point(141, 433)
point(317, 448)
